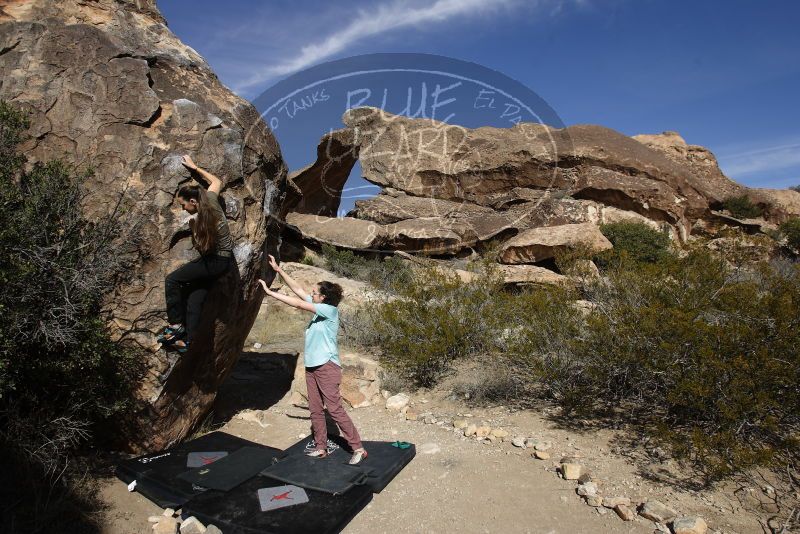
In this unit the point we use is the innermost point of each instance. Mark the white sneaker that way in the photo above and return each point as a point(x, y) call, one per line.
point(358, 455)
point(318, 454)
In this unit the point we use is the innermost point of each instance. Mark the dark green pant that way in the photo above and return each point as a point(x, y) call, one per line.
point(186, 287)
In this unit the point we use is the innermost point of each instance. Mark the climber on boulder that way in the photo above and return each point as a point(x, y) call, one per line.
point(185, 288)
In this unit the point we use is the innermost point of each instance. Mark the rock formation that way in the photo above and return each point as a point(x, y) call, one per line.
point(449, 190)
point(109, 86)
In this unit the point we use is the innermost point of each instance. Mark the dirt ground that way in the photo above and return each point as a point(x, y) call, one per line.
point(467, 486)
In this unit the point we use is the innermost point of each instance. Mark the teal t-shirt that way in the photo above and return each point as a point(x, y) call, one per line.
point(321, 332)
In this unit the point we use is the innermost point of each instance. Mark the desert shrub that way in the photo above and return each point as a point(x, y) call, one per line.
point(635, 241)
point(705, 355)
point(436, 321)
point(307, 260)
point(791, 230)
point(795, 188)
point(386, 273)
point(62, 380)
point(742, 207)
point(701, 354)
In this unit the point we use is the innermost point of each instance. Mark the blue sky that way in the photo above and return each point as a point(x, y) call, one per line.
point(724, 74)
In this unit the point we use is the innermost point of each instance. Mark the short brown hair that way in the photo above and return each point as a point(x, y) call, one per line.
point(331, 293)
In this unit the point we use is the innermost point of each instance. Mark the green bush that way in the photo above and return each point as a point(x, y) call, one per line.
point(62, 380)
point(635, 241)
point(742, 207)
point(436, 321)
point(706, 355)
point(791, 229)
point(703, 356)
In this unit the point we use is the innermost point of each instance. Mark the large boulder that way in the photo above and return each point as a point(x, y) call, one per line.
point(317, 188)
point(342, 232)
point(109, 86)
point(540, 244)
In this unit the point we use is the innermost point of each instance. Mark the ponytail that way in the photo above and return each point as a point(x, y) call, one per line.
point(204, 226)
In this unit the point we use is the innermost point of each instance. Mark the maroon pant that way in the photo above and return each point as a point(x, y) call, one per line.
point(323, 386)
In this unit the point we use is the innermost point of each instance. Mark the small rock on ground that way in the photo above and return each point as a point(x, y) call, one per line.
point(595, 501)
point(571, 471)
point(658, 512)
point(587, 490)
point(611, 502)
point(397, 402)
point(192, 525)
point(625, 513)
point(689, 525)
point(167, 525)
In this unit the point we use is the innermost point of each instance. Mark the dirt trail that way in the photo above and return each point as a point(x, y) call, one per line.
point(467, 486)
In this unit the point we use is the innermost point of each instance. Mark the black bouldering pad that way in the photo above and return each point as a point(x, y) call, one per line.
point(239, 511)
point(230, 471)
point(330, 475)
point(384, 462)
point(156, 474)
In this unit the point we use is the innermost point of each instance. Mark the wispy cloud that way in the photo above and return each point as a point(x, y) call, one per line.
point(380, 19)
point(762, 159)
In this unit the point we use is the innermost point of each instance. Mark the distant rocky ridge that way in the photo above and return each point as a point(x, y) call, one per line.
point(109, 86)
point(447, 190)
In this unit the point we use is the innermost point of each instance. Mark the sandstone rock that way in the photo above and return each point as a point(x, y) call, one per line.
point(411, 415)
point(110, 86)
point(397, 402)
point(460, 424)
point(167, 525)
point(424, 235)
point(388, 209)
point(212, 529)
point(541, 455)
point(483, 431)
point(499, 433)
point(656, 511)
point(705, 175)
point(625, 513)
point(588, 489)
point(543, 445)
point(475, 165)
point(571, 471)
point(429, 419)
point(168, 512)
point(531, 274)
point(611, 502)
point(312, 185)
point(467, 186)
point(518, 441)
point(689, 525)
point(471, 430)
point(595, 501)
point(538, 244)
point(779, 204)
point(343, 232)
point(192, 526)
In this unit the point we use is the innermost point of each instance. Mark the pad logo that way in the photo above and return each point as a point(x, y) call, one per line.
point(281, 497)
point(151, 458)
